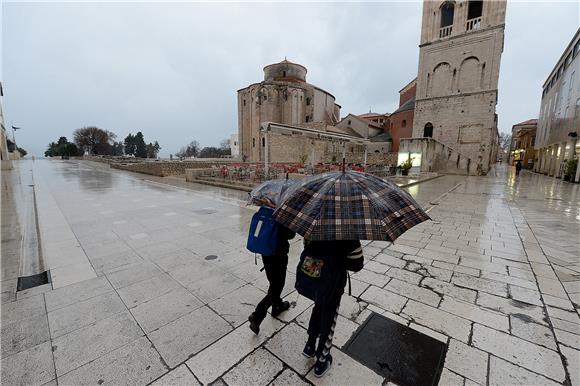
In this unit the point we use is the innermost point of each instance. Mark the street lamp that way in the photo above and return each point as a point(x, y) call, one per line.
point(14, 128)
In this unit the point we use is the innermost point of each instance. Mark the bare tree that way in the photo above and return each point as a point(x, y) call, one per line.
point(225, 144)
point(505, 141)
point(191, 150)
point(98, 141)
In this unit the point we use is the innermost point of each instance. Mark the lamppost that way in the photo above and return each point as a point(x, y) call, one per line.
point(14, 128)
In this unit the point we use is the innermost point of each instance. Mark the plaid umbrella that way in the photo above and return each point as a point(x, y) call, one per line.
point(349, 206)
point(271, 191)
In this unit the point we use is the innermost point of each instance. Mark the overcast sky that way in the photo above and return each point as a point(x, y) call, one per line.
point(172, 70)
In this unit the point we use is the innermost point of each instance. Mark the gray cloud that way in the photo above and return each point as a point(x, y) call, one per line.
point(172, 70)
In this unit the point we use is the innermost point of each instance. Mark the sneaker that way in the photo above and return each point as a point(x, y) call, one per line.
point(254, 324)
point(284, 306)
point(321, 367)
point(309, 349)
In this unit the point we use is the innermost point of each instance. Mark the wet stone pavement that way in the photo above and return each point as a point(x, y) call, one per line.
point(151, 283)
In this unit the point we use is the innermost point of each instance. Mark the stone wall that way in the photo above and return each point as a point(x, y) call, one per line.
point(382, 159)
point(438, 157)
point(168, 168)
point(300, 149)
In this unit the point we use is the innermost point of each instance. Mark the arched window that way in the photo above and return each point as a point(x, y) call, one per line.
point(475, 9)
point(447, 12)
point(428, 130)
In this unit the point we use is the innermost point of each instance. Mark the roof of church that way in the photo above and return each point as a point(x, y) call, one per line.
point(409, 105)
point(383, 137)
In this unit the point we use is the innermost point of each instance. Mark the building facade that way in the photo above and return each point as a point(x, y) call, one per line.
point(234, 146)
point(523, 142)
point(283, 97)
point(4, 155)
point(400, 123)
point(460, 51)
point(559, 120)
point(377, 118)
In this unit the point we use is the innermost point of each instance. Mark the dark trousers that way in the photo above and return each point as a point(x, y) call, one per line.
point(322, 324)
point(275, 267)
point(517, 172)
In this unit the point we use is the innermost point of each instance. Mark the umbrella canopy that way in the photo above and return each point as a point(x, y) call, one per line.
point(349, 206)
point(270, 192)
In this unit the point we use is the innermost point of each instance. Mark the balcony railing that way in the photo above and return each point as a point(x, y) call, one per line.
point(474, 23)
point(445, 31)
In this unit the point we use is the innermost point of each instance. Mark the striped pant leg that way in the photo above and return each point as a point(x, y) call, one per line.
point(325, 343)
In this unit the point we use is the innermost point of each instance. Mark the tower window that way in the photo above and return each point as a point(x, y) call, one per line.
point(263, 142)
point(307, 118)
point(307, 101)
point(253, 142)
point(447, 12)
point(284, 74)
point(475, 9)
point(244, 102)
point(404, 123)
point(349, 122)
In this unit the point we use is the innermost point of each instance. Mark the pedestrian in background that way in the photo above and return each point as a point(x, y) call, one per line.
point(518, 167)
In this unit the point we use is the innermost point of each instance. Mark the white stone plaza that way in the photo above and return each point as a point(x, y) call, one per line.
point(152, 284)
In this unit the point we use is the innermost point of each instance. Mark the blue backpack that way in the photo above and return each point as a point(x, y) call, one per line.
point(263, 235)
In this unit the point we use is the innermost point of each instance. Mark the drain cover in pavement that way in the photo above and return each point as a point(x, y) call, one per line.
point(26, 282)
point(211, 257)
point(399, 353)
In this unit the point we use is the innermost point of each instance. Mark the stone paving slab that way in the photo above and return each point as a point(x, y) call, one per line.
point(215, 360)
point(135, 363)
point(93, 341)
point(186, 336)
point(34, 366)
point(24, 334)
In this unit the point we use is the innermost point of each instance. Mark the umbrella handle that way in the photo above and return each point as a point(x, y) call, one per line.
point(343, 164)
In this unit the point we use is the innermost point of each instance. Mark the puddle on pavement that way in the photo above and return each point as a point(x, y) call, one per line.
point(398, 353)
point(205, 211)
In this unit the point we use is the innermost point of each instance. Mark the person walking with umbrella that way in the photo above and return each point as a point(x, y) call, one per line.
point(275, 264)
point(333, 212)
point(518, 167)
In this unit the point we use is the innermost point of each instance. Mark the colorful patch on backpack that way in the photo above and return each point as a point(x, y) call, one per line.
point(312, 267)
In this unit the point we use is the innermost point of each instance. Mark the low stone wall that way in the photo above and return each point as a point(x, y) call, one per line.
point(167, 168)
point(438, 157)
point(382, 159)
